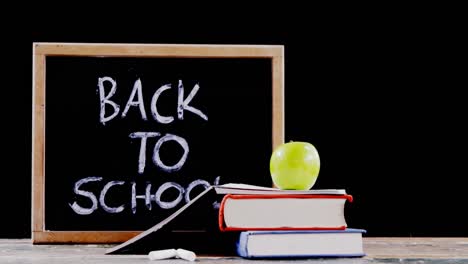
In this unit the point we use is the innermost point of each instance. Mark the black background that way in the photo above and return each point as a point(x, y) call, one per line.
point(375, 92)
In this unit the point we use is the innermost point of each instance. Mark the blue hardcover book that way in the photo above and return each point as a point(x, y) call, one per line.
point(301, 244)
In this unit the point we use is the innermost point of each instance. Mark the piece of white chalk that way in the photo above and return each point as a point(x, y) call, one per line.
point(185, 254)
point(162, 254)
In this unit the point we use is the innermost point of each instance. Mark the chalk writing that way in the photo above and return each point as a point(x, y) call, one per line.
point(142, 156)
point(194, 184)
point(183, 194)
point(157, 159)
point(103, 196)
point(137, 91)
point(78, 209)
point(136, 101)
point(104, 99)
point(183, 104)
point(154, 111)
point(163, 188)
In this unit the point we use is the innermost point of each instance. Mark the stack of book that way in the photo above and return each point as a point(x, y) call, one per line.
point(277, 223)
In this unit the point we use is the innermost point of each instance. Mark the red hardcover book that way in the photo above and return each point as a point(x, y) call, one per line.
point(239, 212)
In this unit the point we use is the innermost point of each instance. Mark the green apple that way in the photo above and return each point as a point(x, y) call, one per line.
point(295, 166)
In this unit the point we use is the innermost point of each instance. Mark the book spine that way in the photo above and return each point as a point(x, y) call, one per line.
point(242, 245)
point(221, 225)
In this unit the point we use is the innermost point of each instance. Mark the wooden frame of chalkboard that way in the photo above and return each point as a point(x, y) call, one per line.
point(41, 51)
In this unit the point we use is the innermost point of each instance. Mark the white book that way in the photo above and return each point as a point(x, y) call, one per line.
point(301, 244)
point(282, 212)
point(240, 188)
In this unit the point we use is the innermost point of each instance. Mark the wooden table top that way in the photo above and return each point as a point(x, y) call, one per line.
point(378, 250)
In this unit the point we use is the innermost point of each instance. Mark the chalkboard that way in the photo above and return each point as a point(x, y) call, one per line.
point(125, 134)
